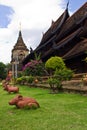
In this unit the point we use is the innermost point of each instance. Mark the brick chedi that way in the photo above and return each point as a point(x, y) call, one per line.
point(19, 52)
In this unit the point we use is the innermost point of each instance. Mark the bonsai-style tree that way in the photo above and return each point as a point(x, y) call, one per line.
point(54, 63)
point(59, 72)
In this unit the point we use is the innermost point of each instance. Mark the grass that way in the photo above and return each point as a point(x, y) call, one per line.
point(57, 111)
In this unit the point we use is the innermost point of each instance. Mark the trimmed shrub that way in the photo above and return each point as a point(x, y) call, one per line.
point(58, 71)
point(54, 63)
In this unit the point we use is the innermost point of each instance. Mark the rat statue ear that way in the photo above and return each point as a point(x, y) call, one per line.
point(20, 97)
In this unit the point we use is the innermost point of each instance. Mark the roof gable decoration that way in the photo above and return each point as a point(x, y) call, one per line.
point(66, 30)
point(20, 43)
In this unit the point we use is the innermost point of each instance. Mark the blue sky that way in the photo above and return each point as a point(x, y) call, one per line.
point(76, 4)
point(5, 12)
point(35, 17)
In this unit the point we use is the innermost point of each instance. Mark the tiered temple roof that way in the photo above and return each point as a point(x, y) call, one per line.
point(20, 45)
point(67, 38)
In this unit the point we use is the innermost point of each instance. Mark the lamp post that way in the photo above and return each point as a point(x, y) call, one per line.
point(15, 67)
point(13, 71)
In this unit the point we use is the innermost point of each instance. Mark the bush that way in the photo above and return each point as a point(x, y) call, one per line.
point(60, 75)
point(54, 63)
point(25, 79)
point(65, 74)
point(30, 79)
point(19, 80)
point(53, 82)
point(34, 68)
point(59, 72)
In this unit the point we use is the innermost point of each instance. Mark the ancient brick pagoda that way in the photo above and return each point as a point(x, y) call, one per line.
point(19, 52)
point(67, 38)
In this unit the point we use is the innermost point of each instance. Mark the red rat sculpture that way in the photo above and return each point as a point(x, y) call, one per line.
point(10, 89)
point(22, 102)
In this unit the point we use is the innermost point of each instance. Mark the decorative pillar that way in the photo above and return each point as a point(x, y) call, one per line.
point(13, 71)
point(16, 73)
point(15, 68)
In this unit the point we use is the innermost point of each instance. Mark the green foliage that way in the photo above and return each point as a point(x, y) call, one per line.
point(8, 66)
point(34, 68)
point(19, 80)
point(20, 74)
point(25, 79)
point(3, 71)
point(30, 79)
point(59, 75)
point(54, 63)
point(64, 74)
point(85, 59)
point(59, 72)
point(37, 57)
point(54, 83)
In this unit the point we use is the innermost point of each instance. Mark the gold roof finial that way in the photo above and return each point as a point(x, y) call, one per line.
point(20, 26)
point(67, 4)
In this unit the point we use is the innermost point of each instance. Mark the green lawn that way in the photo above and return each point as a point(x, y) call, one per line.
point(56, 112)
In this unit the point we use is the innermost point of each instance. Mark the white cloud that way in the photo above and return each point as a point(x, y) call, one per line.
point(35, 17)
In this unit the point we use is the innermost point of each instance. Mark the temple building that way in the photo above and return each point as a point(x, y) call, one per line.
point(67, 38)
point(19, 52)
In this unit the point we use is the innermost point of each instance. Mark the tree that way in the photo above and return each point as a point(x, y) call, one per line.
point(59, 72)
point(54, 63)
point(3, 71)
point(8, 66)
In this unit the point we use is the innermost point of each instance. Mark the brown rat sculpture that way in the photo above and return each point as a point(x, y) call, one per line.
point(10, 89)
point(22, 102)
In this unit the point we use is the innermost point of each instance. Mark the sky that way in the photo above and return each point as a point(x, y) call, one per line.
point(35, 17)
